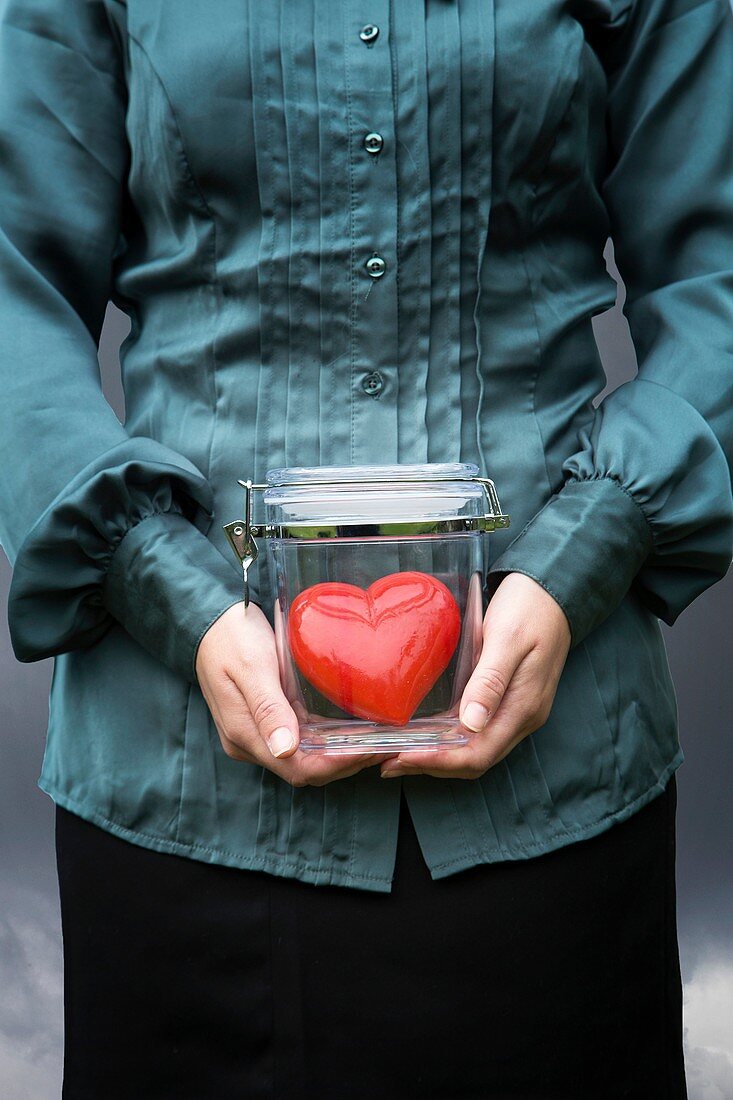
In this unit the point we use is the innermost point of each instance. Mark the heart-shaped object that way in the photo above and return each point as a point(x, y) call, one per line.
point(375, 652)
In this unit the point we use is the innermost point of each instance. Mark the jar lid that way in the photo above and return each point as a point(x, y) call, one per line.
point(421, 500)
point(428, 471)
point(371, 494)
point(374, 495)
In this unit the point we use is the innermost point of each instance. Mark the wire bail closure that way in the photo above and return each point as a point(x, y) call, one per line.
point(241, 537)
point(242, 533)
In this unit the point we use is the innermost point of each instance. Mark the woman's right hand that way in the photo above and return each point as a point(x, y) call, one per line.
point(237, 670)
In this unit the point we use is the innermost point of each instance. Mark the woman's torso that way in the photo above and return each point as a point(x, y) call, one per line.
point(253, 206)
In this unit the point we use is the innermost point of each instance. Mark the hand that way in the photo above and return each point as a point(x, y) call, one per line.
point(526, 642)
point(237, 670)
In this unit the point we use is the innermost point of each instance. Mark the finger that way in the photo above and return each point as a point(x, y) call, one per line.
point(511, 724)
point(320, 768)
point(501, 653)
point(480, 752)
point(505, 729)
point(233, 721)
point(237, 731)
point(273, 716)
point(241, 741)
point(454, 763)
point(234, 750)
point(458, 762)
point(446, 762)
point(303, 770)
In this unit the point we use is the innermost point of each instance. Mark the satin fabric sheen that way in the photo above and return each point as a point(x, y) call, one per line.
point(206, 172)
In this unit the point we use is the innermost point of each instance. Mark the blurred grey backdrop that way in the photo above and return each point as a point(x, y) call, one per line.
point(699, 646)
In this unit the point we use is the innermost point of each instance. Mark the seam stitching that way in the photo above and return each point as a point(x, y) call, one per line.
point(394, 116)
point(352, 249)
point(213, 249)
point(538, 341)
point(609, 726)
point(531, 224)
point(186, 712)
point(64, 799)
point(190, 177)
point(577, 830)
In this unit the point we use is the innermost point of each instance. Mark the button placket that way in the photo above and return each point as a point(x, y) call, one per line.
point(374, 234)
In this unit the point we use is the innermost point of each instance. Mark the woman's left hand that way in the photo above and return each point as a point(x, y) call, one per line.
point(526, 639)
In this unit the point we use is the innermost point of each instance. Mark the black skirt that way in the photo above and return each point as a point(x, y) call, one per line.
point(551, 977)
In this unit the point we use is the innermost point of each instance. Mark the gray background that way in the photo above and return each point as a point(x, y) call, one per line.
point(31, 1023)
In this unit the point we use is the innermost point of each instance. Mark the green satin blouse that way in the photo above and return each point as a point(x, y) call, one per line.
point(205, 167)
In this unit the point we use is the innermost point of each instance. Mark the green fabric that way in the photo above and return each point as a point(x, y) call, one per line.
point(208, 175)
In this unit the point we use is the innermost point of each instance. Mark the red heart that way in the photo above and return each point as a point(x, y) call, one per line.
point(376, 653)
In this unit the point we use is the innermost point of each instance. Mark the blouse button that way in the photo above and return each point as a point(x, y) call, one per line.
point(372, 383)
point(376, 266)
point(373, 142)
point(369, 32)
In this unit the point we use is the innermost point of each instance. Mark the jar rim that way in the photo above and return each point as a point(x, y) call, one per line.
point(423, 471)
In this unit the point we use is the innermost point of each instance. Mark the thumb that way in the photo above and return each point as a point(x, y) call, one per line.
point(273, 715)
point(489, 681)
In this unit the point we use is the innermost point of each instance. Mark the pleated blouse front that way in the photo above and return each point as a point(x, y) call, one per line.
point(359, 231)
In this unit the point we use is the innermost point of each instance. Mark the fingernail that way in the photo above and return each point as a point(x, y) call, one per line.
point(475, 717)
point(281, 741)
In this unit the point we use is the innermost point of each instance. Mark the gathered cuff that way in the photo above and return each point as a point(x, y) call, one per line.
point(125, 540)
point(584, 546)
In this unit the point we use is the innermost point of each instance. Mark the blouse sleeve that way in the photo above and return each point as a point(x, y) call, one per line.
point(98, 525)
point(647, 501)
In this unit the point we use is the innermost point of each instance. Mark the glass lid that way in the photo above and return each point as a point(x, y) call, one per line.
point(298, 475)
point(373, 493)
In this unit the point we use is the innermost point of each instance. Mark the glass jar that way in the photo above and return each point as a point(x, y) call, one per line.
point(379, 609)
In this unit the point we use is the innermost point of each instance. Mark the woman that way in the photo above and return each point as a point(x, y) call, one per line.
point(350, 233)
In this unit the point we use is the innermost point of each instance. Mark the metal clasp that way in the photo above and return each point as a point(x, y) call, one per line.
point(241, 535)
